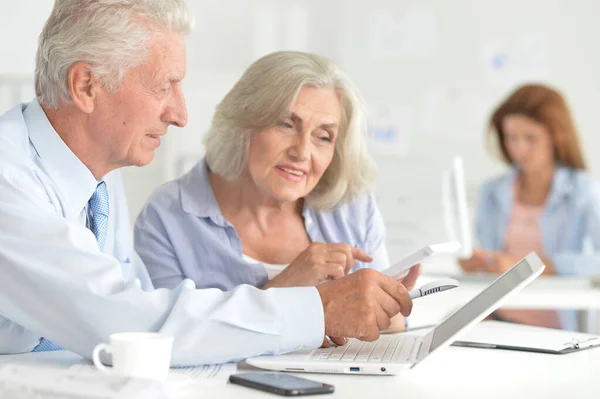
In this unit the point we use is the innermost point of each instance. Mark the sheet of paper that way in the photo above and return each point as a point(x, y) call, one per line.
point(406, 33)
point(389, 129)
point(209, 372)
point(514, 60)
point(25, 381)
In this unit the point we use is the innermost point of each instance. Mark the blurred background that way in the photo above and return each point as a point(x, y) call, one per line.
point(430, 70)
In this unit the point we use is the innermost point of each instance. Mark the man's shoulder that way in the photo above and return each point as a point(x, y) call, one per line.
point(15, 151)
point(20, 175)
point(12, 126)
point(14, 138)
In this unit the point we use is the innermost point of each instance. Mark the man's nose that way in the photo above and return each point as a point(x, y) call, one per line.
point(176, 112)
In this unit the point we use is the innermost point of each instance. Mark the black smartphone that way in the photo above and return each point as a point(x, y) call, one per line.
point(282, 384)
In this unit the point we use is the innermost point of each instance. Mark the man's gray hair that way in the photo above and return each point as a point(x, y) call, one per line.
point(264, 95)
point(112, 36)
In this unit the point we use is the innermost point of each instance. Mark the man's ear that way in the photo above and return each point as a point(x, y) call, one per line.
point(83, 86)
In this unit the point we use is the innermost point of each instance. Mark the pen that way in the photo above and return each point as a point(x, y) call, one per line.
point(434, 287)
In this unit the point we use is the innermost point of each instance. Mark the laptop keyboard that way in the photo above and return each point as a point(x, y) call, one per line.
point(386, 349)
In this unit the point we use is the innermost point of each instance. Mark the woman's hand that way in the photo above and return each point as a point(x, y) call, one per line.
point(499, 262)
point(399, 321)
point(488, 261)
point(476, 263)
point(410, 279)
point(320, 261)
point(496, 262)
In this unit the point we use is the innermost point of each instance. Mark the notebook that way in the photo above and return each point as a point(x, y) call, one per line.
point(390, 354)
point(502, 335)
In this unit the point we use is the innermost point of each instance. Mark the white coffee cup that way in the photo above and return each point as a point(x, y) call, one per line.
point(141, 355)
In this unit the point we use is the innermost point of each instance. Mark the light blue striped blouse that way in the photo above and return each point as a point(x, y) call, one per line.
point(570, 223)
point(181, 233)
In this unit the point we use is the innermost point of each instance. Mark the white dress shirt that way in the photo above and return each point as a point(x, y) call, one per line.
point(56, 283)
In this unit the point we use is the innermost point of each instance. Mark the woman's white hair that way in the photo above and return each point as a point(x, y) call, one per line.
point(111, 36)
point(264, 95)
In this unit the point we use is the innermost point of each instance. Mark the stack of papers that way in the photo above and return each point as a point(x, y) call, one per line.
point(178, 375)
point(25, 381)
point(63, 374)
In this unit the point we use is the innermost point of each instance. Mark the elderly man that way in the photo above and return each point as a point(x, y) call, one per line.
point(108, 84)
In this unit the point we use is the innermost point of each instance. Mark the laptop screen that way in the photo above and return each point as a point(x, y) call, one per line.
point(482, 302)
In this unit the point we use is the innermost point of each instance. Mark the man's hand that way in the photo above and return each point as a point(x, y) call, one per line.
point(361, 304)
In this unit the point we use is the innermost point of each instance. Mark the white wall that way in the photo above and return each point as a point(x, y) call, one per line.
point(423, 66)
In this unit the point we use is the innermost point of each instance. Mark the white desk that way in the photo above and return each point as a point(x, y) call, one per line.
point(451, 373)
point(463, 373)
point(546, 292)
point(454, 371)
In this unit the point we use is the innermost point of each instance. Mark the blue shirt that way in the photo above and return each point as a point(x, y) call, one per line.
point(569, 224)
point(56, 283)
point(181, 233)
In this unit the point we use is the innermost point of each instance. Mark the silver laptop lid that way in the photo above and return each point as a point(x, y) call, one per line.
point(488, 300)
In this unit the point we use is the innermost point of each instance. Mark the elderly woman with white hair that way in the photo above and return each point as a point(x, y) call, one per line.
point(282, 195)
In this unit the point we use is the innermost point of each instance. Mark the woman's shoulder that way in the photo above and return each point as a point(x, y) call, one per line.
point(353, 221)
point(580, 177)
point(173, 193)
point(580, 183)
point(165, 195)
point(497, 185)
point(363, 203)
point(357, 212)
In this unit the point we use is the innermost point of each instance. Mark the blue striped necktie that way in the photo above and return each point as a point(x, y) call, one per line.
point(99, 210)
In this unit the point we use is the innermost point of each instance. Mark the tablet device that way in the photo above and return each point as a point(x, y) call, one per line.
point(400, 268)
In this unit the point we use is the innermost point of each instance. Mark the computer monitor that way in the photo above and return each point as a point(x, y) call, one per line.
point(454, 204)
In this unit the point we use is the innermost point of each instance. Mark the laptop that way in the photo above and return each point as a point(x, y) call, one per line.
point(392, 353)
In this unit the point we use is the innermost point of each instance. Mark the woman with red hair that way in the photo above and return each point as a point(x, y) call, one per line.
point(547, 203)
